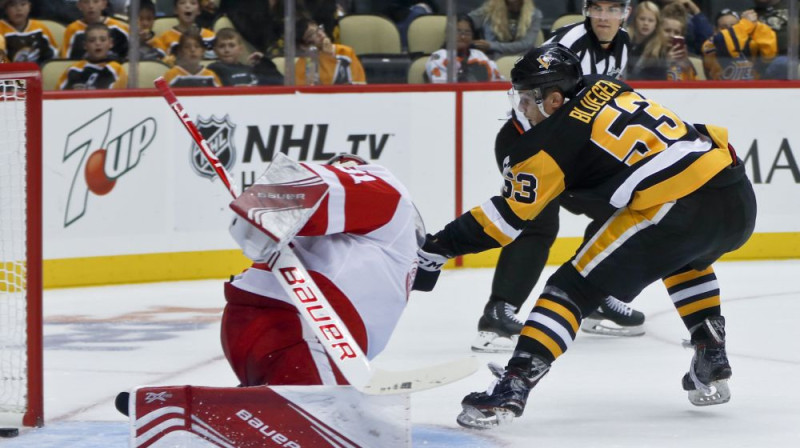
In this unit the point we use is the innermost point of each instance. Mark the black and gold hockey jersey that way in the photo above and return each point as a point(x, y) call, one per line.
point(236, 74)
point(608, 148)
point(33, 44)
point(179, 77)
point(740, 52)
point(93, 75)
point(75, 36)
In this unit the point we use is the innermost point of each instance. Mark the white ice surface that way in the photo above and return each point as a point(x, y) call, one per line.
point(604, 392)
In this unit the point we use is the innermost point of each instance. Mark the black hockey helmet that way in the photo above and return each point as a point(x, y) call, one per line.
point(551, 65)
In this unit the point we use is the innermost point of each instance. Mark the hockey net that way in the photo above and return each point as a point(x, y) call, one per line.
point(20, 245)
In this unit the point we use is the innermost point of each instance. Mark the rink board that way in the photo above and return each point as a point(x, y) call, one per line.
point(127, 198)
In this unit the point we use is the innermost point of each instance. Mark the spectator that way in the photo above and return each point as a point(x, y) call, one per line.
point(740, 52)
point(98, 70)
point(231, 71)
point(93, 11)
point(665, 55)
point(472, 65)
point(26, 39)
point(507, 26)
point(698, 27)
point(327, 13)
point(726, 18)
point(327, 63)
point(775, 14)
point(62, 11)
point(644, 24)
point(209, 13)
point(148, 47)
point(188, 71)
point(186, 11)
point(777, 17)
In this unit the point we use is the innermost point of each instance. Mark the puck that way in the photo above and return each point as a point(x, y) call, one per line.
point(9, 432)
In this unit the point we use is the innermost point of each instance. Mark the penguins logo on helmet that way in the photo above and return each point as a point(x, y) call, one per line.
point(545, 60)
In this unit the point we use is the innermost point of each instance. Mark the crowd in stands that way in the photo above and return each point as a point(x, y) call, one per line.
point(671, 40)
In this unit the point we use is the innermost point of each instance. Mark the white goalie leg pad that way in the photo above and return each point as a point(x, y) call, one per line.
point(287, 416)
point(278, 204)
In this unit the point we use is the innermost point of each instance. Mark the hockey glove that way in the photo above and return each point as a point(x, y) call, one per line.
point(255, 244)
point(432, 257)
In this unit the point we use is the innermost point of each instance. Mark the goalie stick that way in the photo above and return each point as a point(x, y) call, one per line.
point(318, 313)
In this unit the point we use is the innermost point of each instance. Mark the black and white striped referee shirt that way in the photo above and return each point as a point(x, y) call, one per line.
point(594, 59)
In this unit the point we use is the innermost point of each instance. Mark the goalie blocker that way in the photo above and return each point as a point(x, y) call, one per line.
point(257, 417)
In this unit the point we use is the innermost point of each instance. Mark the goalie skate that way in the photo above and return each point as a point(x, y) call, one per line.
point(614, 318)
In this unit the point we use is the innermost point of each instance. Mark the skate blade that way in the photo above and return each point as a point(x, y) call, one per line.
point(473, 418)
point(609, 328)
point(489, 342)
point(717, 393)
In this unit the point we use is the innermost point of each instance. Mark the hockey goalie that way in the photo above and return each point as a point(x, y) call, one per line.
point(359, 243)
point(355, 230)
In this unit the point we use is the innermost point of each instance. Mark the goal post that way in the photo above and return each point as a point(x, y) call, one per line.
point(21, 380)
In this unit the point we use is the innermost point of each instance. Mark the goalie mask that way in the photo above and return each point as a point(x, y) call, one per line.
point(542, 68)
point(346, 160)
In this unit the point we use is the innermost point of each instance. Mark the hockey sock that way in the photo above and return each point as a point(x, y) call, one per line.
point(695, 295)
point(551, 326)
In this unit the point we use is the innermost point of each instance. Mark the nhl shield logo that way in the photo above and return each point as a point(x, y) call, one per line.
point(219, 135)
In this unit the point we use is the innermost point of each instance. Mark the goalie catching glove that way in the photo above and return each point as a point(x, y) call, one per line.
point(271, 212)
point(432, 256)
point(255, 244)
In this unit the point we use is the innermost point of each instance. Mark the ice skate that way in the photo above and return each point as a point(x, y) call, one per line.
point(707, 379)
point(614, 318)
point(504, 399)
point(498, 329)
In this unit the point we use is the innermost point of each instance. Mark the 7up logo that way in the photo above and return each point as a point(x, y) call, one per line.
point(101, 161)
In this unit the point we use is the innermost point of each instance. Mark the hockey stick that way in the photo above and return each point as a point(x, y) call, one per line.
point(317, 311)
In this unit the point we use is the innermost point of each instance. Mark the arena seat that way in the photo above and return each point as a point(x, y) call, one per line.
point(427, 34)
point(369, 34)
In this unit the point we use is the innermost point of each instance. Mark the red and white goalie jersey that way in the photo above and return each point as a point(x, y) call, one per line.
point(360, 247)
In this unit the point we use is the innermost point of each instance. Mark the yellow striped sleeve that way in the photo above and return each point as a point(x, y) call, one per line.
point(549, 184)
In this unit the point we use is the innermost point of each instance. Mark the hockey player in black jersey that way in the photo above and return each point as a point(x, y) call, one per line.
point(666, 198)
point(521, 263)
